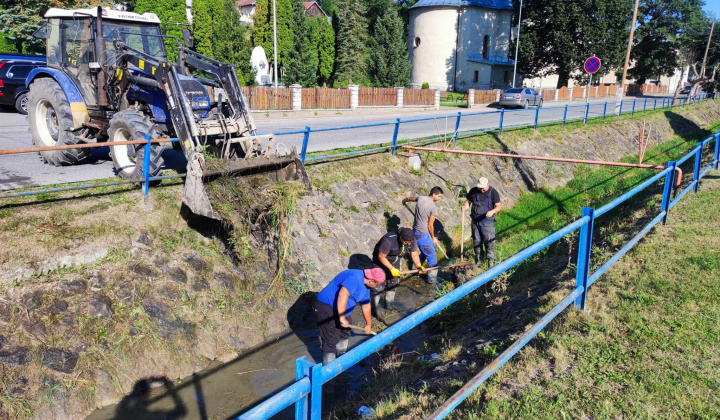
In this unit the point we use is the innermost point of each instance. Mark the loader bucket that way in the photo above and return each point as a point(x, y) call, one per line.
point(277, 168)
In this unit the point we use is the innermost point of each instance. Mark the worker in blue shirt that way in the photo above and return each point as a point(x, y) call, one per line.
point(334, 303)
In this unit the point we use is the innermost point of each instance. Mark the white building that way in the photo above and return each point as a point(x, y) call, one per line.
point(461, 44)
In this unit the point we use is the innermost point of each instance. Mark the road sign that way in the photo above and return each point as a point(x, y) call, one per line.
point(592, 65)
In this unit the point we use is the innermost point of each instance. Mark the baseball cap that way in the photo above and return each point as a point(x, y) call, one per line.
point(482, 183)
point(406, 234)
point(376, 274)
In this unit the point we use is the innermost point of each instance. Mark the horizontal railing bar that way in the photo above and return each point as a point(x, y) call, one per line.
point(686, 157)
point(278, 402)
point(706, 170)
point(685, 191)
point(467, 389)
point(368, 347)
point(599, 272)
point(616, 202)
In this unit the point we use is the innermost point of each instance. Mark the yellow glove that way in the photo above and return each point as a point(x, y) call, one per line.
point(421, 270)
point(395, 272)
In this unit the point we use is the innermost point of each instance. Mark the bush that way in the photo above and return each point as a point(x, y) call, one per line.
point(426, 85)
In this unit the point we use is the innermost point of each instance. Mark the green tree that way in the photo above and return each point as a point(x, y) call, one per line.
point(350, 51)
point(204, 29)
point(302, 65)
point(661, 26)
point(19, 19)
point(389, 65)
point(561, 34)
point(232, 41)
point(262, 26)
point(263, 29)
point(169, 11)
point(326, 49)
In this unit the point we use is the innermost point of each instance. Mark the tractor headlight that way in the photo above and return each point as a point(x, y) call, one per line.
point(201, 103)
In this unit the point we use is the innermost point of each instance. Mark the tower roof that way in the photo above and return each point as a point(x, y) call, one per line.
point(486, 4)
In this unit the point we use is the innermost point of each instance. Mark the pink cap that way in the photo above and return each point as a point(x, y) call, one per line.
point(376, 274)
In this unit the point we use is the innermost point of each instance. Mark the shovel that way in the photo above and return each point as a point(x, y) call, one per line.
point(361, 329)
point(460, 264)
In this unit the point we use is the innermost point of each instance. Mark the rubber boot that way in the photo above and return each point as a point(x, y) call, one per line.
point(490, 263)
point(478, 256)
point(432, 277)
point(328, 357)
point(341, 347)
point(376, 303)
point(389, 299)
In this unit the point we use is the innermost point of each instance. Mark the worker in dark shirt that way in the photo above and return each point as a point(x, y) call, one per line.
point(388, 255)
point(334, 303)
point(485, 201)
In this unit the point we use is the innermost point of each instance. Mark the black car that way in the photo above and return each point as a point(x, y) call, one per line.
point(14, 68)
point(685, 90)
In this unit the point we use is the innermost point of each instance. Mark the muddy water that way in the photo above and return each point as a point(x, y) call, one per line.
point(223, 391)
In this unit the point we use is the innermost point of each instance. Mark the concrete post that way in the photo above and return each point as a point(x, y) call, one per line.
point(497, 95)
point(596, 90)
point(585, 92)
point(296, 97)
point(437, 98)
point(471, 98)
point(354, 96)
point(557, 93)
point(400, 96)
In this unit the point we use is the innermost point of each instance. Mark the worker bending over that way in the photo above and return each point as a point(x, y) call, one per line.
point(485, 202)
point(388, 255)
point(425, 212)
point(334, 303)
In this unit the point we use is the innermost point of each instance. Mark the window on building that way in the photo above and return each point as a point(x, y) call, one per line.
point(506, 77)
point(486, 47)
point(416, 43)
point(476, 77)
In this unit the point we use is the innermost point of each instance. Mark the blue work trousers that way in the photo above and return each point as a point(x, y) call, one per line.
point(427, 248)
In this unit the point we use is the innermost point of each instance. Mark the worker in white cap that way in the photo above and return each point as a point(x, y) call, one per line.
point(485, 201)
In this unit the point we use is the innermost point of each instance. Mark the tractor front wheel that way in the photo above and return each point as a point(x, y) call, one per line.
point(51, 123)
point(128, 159)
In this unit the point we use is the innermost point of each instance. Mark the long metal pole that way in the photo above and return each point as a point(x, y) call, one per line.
point(517, 43)
point(707, 48)
point(551, 159)
point(275, 45)
point(627, 53)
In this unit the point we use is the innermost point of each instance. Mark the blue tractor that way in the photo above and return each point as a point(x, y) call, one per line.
point(108, 79)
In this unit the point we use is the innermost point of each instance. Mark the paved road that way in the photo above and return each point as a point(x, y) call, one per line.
point(28, 169)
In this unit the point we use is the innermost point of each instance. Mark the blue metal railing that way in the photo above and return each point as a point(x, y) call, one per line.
point(667, 102)
point(306, 392)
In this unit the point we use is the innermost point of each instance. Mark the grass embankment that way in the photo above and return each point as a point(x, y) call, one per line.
point(620, 355)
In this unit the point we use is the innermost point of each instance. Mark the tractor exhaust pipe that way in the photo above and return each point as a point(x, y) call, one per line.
point(102, 58)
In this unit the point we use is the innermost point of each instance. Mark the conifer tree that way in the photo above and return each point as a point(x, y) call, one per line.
point(204, 14)
point(388, 65)
point(325, 49)
point(263, 29)
point(262, 26)
point(302, 65)
point(350, 50)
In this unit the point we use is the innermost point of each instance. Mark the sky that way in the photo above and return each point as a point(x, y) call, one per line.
point(713, 6)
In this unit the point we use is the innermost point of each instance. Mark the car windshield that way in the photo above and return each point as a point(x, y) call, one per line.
point(514, 90)
point(141, 37)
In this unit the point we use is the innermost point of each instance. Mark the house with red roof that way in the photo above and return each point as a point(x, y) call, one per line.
point(247, 10)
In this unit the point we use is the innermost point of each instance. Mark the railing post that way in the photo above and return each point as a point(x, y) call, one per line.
point(604, 111)
point(146, 166)
point(696, 169)
point(537, 114)
point(620, 110)
point(655, 104)
point(587, 111)
point(315, 391)
point(565, 114)
point(457, 125)
point(583, 261)
point(303, 151)
point(667, 190)
point(395, 135)
point(632, 113)
point(502, 115)
point(717, 149)
point(645, 105)
point(302, 369)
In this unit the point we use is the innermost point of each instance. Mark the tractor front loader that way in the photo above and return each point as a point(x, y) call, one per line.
point(109, 79)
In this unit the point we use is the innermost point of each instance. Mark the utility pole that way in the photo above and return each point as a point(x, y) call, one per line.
point(275, 72)
point(517, 43)
point(621, 91)
point(707, 48)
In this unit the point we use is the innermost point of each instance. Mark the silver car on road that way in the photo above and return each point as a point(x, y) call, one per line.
point(520, 97)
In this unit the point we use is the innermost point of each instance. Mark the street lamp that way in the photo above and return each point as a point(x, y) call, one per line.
point(517, 43)
point(275, 72)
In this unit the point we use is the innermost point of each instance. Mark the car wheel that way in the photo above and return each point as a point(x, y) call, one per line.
point(21, 103)
point(525, 105)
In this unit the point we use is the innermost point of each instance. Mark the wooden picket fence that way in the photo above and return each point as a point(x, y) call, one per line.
point(419, 97)
point(268, 98)
point(486, 96)
point(325, 98)
point(369, 96)
point(563, 93)
point(577, 92)
point(548, 94)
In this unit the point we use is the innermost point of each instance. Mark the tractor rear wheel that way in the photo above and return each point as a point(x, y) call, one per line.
point(128, 159)
point(51, 123)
